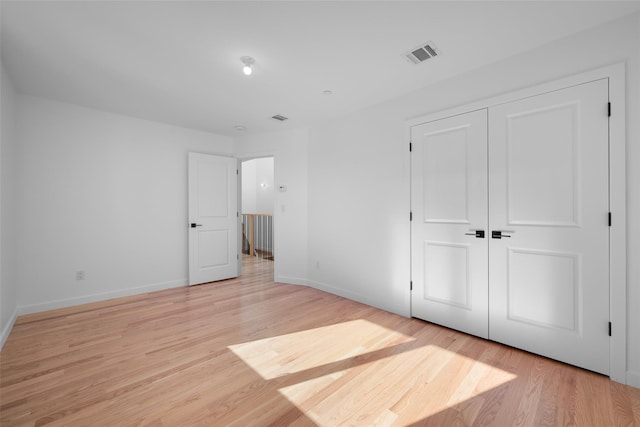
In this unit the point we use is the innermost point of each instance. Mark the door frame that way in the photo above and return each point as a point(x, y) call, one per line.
point(242, 159)
point(617, 190)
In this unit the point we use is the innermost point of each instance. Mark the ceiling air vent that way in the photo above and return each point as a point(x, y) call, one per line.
point(279, 117)
point(422, 53)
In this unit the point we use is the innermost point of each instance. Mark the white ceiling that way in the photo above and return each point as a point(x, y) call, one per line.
point(178, 62)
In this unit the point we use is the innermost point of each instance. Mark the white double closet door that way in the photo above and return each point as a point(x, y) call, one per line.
point(510, 233)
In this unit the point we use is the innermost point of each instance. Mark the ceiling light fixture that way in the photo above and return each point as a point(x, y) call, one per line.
point(240, 128)
point(248, 62)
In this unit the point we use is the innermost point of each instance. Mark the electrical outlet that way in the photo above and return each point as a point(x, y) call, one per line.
point(80, 275)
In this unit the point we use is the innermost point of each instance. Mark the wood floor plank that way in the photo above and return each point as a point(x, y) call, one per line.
point(249, 351)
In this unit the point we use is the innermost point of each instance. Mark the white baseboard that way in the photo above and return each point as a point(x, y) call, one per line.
point(633, 379)
point(364, 299)
point(291, 280)
point(68, 302)
point(341, 292)
point(8, 327)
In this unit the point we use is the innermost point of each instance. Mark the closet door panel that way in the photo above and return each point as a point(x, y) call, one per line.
point(548, 198)
point(449, 203)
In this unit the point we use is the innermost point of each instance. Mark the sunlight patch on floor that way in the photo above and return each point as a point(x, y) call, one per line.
point(345, 372)
point(286, 354)
point(417, 375)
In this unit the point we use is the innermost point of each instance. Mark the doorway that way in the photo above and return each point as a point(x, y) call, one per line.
point(257, 209)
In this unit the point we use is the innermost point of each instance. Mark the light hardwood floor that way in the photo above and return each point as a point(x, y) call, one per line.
point(252, 352)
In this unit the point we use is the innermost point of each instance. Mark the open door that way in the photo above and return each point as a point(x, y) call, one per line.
point(213, 218)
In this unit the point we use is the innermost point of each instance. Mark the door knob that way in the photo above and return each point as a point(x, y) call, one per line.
point(194, 225)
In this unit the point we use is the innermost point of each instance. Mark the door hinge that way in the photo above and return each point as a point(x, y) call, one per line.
point(237, 173)
point(410, 216)
point(411, 285)
point(609, 328)
point(410, 147)
point(609, 219)
point(609, 109)
point(237, 256)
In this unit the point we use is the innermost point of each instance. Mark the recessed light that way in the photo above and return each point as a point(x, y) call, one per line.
point(327, 92)
point(240, 128)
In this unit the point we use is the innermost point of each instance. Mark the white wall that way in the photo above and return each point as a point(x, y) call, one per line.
point(264, 186)
point(102, 193)
point(289, 150)
point(8, 225)
point(249, 186)
point(257, 186)
point(359, 209)
point(359, 172)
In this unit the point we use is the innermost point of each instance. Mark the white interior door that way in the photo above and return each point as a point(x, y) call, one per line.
point(548, 186)
point(213, 218)
point(449, 203)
